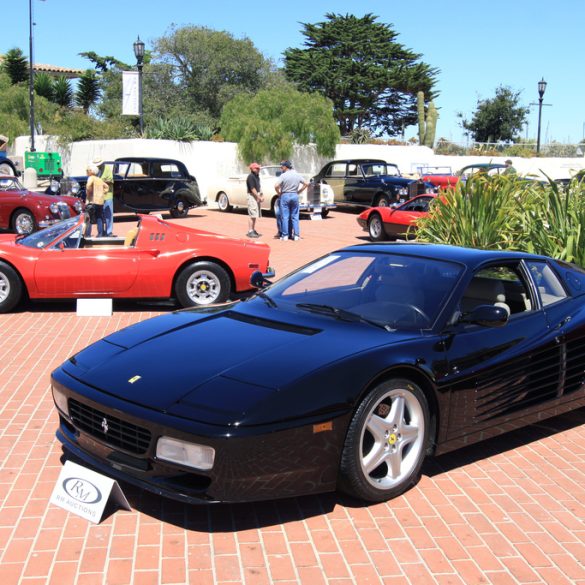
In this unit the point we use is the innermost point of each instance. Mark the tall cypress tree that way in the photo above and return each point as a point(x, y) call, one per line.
point(371, 79)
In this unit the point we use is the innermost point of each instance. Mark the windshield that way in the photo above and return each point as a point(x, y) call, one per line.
point(398, 291)
point(44, 237)
point(10, 184)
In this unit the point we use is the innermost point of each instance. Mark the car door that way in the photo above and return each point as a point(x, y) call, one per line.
point(496, 374)
point(68, 271)
point(137, 188)
point(408, 214)
point(334, 176)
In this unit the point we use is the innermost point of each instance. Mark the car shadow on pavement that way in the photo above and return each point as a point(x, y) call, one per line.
point(503, 443)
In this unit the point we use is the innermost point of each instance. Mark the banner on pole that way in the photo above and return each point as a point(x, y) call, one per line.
point(130, 106)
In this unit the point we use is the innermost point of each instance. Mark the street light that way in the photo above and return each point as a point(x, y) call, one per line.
point(31, 82)
point(541, 90)
point(139, 54)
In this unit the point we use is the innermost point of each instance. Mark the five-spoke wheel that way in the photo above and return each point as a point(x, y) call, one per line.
point(386, 442)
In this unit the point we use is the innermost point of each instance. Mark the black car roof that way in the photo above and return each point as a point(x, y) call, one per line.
point(360, 161)
point(468, 256)
point(147, 159)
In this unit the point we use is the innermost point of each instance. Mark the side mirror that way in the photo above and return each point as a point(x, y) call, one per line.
point(486, 316)
point(259, 280)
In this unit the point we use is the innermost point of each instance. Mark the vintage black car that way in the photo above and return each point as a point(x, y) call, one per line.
point(345, 374)
point(143, 185)
point(370, 182)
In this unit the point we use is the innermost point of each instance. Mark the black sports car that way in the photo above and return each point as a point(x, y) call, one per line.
point(345, 374)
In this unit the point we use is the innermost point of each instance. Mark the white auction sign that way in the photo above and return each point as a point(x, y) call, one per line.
point(85, 492)
point(130, 90)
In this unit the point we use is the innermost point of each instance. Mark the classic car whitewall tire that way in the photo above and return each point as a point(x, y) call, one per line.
point(6, 169)
point(10, 288)
point(382, 200)
point(386, 442)
point(376, 228)
point(23, 222)
point(202, 283)
point(223, 202)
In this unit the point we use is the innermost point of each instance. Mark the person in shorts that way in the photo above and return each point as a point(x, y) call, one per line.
point(254, 199)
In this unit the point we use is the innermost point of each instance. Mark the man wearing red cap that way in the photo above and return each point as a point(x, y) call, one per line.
point(254, 199)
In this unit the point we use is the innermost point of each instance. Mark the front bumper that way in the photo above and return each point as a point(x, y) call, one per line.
point(250, 464)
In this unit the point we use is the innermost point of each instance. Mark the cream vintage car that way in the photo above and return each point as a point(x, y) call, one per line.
point(233, 193)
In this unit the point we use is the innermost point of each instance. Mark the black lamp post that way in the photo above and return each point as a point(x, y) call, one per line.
point(139, 54)
point(31, 80)
point(541, 90)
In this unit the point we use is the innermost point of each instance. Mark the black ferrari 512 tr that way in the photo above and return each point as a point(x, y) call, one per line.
point(344, 375)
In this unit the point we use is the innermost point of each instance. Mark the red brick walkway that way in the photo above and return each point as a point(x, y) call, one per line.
point(511, 510)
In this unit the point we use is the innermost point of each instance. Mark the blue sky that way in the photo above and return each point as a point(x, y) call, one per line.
point(476, 45)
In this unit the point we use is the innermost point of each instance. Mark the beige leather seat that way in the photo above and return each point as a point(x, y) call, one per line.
point(484, 291)
point(131, 237)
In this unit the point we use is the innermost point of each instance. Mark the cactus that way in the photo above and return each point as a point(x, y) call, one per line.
point(426, 128)
point(420, 106)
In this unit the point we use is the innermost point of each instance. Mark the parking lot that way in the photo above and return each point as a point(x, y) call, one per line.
point(510, 510)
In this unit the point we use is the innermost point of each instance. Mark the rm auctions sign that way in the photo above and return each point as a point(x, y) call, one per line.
point(85, 492)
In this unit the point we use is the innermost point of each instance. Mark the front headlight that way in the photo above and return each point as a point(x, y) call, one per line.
point(60, 400)
point(185, 453)
point(78, 206)
point(74, 187)
point(403, 191)
point(53, 208)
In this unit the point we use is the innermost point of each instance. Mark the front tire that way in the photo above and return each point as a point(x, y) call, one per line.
point(223, 202)
point(7, 169)
point(386, 442)
point(382, 200)
point(324, 213)
point(10, 288)
point(202, 283)
point(23, 222)
point(376, 228)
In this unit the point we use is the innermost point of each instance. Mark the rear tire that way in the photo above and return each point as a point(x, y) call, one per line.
point(376, 228)
point(7, 169)
point(223, 202)
point(386, 442)
point(382, 200)
point(180, 208)
point(324, 213)
point(23, 222)
point(10, 288)
point(201, 284)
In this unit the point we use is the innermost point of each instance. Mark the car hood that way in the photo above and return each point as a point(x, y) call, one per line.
point(219, 367)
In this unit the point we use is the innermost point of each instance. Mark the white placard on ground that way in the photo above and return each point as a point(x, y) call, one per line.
point(94, 307)
point(85, 492)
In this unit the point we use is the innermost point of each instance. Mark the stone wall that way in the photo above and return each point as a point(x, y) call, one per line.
point(212, 162)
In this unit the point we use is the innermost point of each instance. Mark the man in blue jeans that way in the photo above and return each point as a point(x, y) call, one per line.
point(288, 186)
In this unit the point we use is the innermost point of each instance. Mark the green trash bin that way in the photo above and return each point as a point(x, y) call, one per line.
point(46, 164)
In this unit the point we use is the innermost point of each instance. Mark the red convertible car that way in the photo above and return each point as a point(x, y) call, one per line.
point(389, 223)
point(156, 259)
point(24, 211)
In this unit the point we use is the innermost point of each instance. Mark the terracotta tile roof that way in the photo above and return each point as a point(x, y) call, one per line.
point(56, 70)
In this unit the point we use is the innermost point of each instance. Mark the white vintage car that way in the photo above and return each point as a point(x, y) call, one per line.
point(233, 193)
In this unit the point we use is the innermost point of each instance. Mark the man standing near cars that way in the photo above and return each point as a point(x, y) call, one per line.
point(106, 174)
point(254, 199)
point(287, 186)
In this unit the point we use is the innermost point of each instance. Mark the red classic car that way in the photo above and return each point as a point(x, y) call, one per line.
point(389, 223)
point(441, 177)
point(155, 259)
point(24, 211)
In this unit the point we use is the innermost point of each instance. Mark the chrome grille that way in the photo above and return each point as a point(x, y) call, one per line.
point(109, 429)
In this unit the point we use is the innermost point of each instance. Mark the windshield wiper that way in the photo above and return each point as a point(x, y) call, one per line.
point(342, 314)
point(267, 299)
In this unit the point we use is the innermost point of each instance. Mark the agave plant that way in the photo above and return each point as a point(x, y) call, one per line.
point(178, 128)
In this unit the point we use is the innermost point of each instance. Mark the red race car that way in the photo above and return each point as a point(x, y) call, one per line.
point(389, 223)
point(24, 211)
point(154, 260)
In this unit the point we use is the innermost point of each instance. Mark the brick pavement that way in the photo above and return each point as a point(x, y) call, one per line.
point(511, 510)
